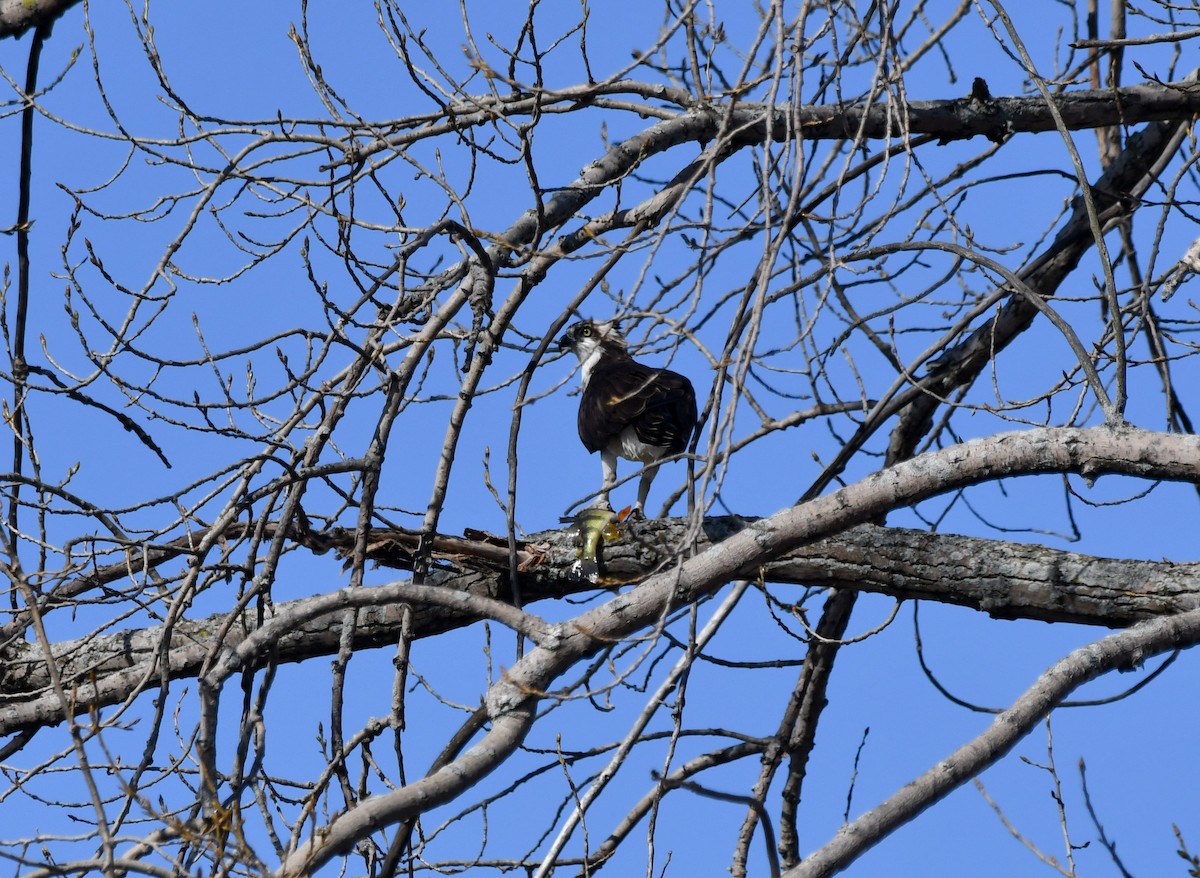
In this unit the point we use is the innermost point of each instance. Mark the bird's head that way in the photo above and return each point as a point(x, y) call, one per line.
point(590, 340)
point(588, 337)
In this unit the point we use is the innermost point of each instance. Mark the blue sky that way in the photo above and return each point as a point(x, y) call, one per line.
point(236, 61)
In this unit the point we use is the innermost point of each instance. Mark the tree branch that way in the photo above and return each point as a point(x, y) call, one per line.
point(1125, 649)
point(511, 701)
point(1007, 580)
point(18, 16)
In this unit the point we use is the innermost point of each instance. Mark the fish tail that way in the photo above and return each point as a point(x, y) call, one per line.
point(588, 568)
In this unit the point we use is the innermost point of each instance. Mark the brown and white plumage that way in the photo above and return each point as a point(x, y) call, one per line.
point(628, 409)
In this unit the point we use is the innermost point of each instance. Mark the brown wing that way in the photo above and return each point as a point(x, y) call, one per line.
point(659, 403)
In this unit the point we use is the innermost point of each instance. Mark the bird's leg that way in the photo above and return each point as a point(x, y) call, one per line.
point(608, 463)
point(648, 474)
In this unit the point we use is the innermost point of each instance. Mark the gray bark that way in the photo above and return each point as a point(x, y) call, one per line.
point(19, 16)
point(1007, 580)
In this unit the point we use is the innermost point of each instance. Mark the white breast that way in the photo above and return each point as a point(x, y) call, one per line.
point(629, 446)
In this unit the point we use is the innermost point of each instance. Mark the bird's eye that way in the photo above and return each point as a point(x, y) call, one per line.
point(586, 332)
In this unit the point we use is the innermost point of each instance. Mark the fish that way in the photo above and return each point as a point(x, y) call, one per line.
point(592, 528)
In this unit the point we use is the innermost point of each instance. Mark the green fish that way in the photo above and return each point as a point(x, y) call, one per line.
point(592, 527)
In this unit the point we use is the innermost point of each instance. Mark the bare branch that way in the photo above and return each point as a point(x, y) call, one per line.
point(1123, 650)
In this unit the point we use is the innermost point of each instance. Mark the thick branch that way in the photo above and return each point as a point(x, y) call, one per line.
point(951, 119)
point(1006, 580)
point(18, 16)
point(994, 118)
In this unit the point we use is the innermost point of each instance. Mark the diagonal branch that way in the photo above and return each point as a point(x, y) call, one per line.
point(512, 702)
point(1123, 650)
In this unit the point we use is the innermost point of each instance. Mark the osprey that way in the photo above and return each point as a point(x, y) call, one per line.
point(628, 410)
